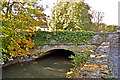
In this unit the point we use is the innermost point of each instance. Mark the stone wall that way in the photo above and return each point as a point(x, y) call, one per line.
point(96, 66)
point(113, 38)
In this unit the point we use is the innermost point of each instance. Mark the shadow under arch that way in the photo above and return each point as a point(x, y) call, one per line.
point(58, 53)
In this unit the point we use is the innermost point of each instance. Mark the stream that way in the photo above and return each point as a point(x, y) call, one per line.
point(54, 65)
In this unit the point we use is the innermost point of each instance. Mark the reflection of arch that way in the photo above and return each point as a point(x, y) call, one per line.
point(57, 52)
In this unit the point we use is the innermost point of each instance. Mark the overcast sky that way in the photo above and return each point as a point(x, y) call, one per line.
point(109, 7)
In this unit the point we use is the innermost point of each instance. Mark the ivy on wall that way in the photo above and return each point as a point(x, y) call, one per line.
point(79, 59)
point(42, 38)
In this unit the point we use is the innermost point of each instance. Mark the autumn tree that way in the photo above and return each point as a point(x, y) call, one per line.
point(97, 18)
point(70, 15)
point(97, 24)
point(18, 23)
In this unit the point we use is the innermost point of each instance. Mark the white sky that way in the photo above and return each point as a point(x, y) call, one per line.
point(109, 7)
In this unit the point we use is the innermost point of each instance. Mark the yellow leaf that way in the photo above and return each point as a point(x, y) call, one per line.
point(27, 49)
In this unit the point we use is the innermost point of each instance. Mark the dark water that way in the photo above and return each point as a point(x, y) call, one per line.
point(51, 66)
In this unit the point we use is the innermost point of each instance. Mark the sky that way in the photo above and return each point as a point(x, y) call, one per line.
point(109, 7)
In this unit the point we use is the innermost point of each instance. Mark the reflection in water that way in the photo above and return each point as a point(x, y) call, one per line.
point(54, 65)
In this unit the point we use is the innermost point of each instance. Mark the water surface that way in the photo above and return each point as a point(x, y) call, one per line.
point(51, 66)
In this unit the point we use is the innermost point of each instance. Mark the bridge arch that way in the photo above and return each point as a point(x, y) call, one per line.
point(47, 49)
point(57, 52)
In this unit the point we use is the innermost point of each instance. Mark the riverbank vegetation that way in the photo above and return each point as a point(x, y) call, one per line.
point(18, 22)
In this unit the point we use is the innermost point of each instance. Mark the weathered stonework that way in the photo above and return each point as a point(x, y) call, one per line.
point(37, 53)
point(113, 38)
point(104, 48)
point(96, 40)
point(96, 66)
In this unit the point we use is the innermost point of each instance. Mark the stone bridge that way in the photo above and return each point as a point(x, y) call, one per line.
point(97, 40)
point(98, 44)
point(45, 49)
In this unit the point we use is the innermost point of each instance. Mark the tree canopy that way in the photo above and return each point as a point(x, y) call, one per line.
point(70, 15)
point(19, 20)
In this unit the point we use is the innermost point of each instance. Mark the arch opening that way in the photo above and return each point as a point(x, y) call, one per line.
point(58, 53)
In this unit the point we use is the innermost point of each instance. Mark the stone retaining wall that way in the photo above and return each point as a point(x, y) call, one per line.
point(113, 38)
point(96, 66)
